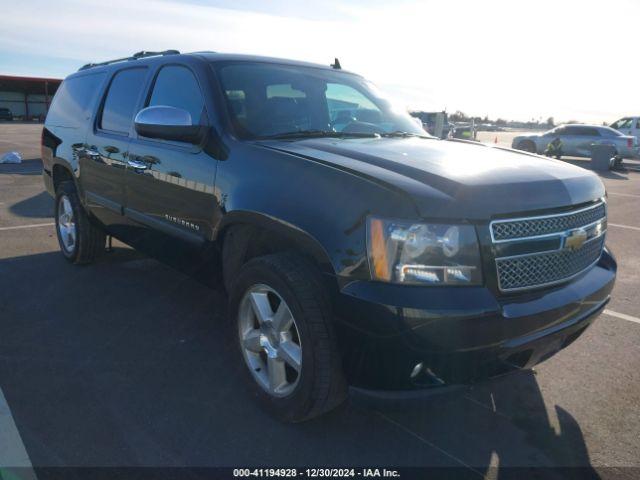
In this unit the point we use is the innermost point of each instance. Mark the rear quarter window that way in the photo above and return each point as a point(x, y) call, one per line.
point(74, 101)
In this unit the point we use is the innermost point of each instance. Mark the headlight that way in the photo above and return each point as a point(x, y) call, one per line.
point(423, 253)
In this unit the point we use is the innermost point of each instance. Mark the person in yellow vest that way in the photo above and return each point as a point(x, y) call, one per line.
point(554, 149)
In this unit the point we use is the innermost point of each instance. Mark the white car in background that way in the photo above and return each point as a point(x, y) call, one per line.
point(577, 140)
point(628, 126)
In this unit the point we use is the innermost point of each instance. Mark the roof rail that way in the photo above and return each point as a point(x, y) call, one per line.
point(135, 56)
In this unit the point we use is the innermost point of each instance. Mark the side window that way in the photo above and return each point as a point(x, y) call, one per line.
point(608, 132)
point(347, 104)
point(73, 102)
point(176, 86)
point(582, 131)
point(638, 123)
point(121, 100)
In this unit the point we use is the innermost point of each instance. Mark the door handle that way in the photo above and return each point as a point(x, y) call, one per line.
point(137, 165)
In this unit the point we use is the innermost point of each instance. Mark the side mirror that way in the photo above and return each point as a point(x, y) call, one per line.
point(168, 123)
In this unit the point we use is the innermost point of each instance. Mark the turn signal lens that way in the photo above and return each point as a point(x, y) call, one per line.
point(379, 250)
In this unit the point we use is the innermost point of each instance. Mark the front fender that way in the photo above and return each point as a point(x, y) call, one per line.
point(322, 206)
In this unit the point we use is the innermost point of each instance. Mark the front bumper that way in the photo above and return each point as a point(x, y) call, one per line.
point(460, 334)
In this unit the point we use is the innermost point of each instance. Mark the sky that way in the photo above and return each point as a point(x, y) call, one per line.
point(515, 59)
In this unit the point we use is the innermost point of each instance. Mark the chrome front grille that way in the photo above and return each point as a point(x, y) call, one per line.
point(547, 268)
point(550, 249)
point(502, 230)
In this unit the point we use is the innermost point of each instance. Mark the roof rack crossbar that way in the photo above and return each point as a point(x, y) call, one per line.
point(135, 56)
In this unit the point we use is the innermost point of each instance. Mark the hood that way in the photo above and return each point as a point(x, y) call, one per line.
point(456, 180)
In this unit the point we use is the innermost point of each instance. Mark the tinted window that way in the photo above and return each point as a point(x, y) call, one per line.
point(177, 87)
point(121, 100)
point(582, 131)
point(73, 102)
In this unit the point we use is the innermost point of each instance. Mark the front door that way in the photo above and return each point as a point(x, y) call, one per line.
point(170, 185)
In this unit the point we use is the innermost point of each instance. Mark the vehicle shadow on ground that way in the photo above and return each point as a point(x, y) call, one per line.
point(32, 166)
point(38, 206)
point(618, 173)
point(128, 362)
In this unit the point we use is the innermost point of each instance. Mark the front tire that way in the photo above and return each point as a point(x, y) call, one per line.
point(285, 335)
point(527, 146)
point(80, 240)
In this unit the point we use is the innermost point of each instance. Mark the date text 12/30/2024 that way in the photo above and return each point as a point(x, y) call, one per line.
point(316, 472)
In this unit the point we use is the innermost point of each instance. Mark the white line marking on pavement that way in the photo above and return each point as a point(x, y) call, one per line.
point(427, 442)
point(35, 225)
point(623, 226)
point(624, 194)
point(623, 316)
point(12, 451)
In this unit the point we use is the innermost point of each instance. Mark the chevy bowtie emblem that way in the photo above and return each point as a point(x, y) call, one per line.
point(574, 239)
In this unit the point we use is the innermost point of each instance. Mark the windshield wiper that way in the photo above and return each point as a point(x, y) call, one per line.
point(316, 134)
point(402, 134)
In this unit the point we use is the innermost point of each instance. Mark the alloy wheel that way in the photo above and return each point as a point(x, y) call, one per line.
point(270, 340)
point(66, 224)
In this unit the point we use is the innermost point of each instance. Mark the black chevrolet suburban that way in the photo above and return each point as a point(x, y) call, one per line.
point(355, 248)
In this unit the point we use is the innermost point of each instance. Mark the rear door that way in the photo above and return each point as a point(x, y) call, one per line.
point(169, 184)
point(585, 137)
point(104, 156)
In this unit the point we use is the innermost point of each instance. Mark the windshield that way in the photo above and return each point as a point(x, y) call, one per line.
point(622, 123)
point(268, 100)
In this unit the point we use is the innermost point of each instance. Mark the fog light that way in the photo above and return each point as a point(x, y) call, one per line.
point(416, 370)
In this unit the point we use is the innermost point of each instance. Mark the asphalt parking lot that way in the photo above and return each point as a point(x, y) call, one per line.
point(125, 363)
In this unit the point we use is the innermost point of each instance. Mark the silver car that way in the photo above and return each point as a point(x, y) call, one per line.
point(577, 140)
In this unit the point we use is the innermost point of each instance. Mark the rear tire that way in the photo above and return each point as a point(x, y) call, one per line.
point(311, 381)
point(80, 240)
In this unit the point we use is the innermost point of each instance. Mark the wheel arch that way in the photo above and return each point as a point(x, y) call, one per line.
point(60, 173)
point(527, 142)
point(243, 235)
